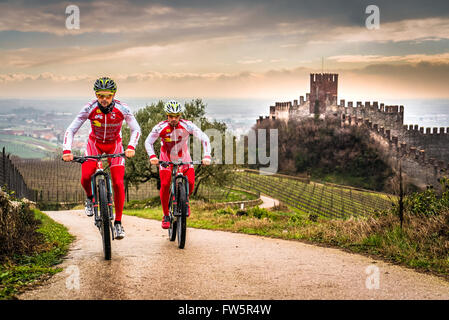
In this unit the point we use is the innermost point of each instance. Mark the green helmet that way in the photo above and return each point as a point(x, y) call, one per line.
point(106, 84)
point(174, 107)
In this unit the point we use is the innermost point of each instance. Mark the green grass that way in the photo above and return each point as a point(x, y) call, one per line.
point(22, 271)
point(151, 213)
point(217, 195)
point(236, 195)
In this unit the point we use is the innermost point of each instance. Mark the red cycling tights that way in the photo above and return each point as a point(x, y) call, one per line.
point(117, 166)
point(165, 176)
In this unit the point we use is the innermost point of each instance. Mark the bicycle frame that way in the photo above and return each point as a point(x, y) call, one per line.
point(102, 202)
point(100, 172)
point(179, 192)
point(177, 175)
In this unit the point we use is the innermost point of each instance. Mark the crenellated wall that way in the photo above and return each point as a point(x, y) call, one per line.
point(434, 140)
point(421, 168)
point(391, 117)
point(288, 109)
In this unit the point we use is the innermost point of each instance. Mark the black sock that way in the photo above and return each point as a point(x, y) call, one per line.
point(91, 197)
point(117, 222)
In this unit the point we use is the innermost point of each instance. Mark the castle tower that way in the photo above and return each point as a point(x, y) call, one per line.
point(323, 87)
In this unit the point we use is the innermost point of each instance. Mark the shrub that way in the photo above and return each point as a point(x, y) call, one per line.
point(259, 213)
point(18, 228)
point(241, 212)
point(295, 219)
point(227, 210)
point(427, 202)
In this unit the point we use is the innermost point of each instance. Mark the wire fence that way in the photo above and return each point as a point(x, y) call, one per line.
point(12, 179)
point(58, 181)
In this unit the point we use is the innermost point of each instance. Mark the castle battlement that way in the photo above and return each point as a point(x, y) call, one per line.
point(413, 129)
point(323, 77)
point(287, 104)
point(372, 106)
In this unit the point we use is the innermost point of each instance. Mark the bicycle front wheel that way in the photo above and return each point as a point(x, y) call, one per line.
point(105, 223)
point(172, 229)
point(182, 218)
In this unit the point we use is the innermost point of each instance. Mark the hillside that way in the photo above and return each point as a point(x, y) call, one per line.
point(330, 153)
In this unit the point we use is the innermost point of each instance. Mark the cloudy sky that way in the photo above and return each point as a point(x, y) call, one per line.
point(233, 49)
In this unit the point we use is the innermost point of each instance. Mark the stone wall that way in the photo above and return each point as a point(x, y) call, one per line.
point(435, 141)
point(418, 168)
point(324, 88)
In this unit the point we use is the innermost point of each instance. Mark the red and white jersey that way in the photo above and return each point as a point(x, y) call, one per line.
point(174, 140)
point(105, 128)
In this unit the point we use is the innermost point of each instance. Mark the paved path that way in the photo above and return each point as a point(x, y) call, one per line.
point(220, 265)
point(268, 202)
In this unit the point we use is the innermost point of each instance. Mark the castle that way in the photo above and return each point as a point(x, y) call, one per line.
point(424, 151)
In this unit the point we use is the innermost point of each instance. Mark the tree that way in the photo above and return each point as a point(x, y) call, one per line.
point(138, 168)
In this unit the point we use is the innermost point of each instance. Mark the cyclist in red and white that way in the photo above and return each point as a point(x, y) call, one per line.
point(106, 116)
point(174, 133)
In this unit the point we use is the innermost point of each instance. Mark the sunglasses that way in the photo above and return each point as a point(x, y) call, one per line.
point(104, 96)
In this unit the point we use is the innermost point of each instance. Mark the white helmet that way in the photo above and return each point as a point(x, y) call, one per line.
point(173, 107)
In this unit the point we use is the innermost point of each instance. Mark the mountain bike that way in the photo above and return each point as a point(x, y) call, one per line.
point(102, 192)
point(179, 201)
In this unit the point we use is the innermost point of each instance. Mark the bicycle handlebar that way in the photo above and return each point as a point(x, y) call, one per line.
point(98, 157)
point(166, 163)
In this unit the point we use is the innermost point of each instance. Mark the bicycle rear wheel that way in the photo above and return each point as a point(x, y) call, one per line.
point(105, 223)
point(182, 218)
